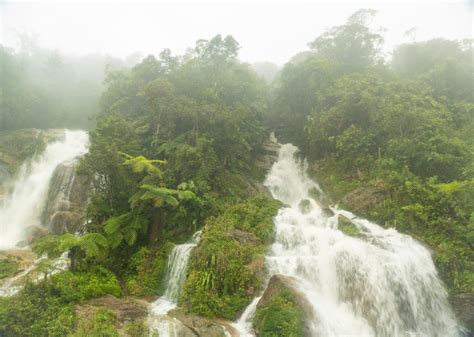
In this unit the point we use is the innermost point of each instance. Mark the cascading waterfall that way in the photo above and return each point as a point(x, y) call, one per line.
point(380, 283)
point(177, 266)
point(22, 207)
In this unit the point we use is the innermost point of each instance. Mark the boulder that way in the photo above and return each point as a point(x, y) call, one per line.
point(126, 310)
point(279, 286)
point(200, 326)
point(243, 237)
point(362, 199)
point(346, 226)
point(463, 307)
point(67, 200)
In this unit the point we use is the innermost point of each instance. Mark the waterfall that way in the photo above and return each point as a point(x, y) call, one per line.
point(23, 206)
point(380, 283)
point(177, 266)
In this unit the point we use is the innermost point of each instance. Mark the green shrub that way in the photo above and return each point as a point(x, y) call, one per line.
point(147, 270)
point(224, 272)
point(136, 329)
point(280, 318)
point(81, 286)
point(47, 308)
point(38, 310)
point(101, 326)
point(8, 267)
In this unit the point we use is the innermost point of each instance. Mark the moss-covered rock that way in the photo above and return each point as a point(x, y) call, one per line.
point(117, 316)
point(200, 326)
point(226, 268)
point(346, 226)
point(283, 310)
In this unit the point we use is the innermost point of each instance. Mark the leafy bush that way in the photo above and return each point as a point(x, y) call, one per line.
point(147, 270)
point(47, 308)
point(280, 318)
point(101, 326)
point(8, 267)
point(225, 270)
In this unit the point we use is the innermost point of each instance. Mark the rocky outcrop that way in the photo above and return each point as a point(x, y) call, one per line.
point(200, 326)
point(67, 200)
point(362, 199)
point(463, 307)
point(126, 310)
point(243, 237)
point(286, 287)
point(270, 154)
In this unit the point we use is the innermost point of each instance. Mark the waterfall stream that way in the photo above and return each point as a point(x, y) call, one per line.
point(177, 266)
point(22, 207)
point(378, 283)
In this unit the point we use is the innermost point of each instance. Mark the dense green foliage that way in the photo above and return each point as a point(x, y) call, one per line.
point(102, 325)
point(405, 128)
point(47, 308)
point(147, 270)
point(173, 150)
point(8, 267)
point(281, 317)
point(226, 269)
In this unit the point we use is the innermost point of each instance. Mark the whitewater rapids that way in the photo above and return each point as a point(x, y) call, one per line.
point(379, 283)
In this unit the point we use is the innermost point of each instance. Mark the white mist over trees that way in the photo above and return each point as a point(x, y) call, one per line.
point(44, 88)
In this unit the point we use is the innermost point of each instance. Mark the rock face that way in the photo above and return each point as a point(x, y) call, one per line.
point(277, 286)
point(463, 307)
point(362, 199)
point(126, 310)
point(199, 326)
point(271, 148)
point(67, 200)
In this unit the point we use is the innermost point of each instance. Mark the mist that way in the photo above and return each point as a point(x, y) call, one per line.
point(244, 169)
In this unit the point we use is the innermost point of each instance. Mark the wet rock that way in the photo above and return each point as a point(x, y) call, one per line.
point(346, 226)
point(305, 206)
point(200, 326)
point(67, 200)
point(328, 212)
point(257, 268)
point(463, 307)
point(277, 285)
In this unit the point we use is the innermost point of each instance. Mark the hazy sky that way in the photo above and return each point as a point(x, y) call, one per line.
point(266, 30)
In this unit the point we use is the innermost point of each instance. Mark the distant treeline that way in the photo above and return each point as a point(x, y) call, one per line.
point(43, 88)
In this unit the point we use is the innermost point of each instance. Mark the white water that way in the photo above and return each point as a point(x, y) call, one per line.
point(382, 284)
point(22, 207)
point(177, 265)
point(13, 285)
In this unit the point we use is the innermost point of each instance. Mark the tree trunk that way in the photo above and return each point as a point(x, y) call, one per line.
point(155, 226)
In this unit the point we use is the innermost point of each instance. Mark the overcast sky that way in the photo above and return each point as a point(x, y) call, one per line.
point(267, 30)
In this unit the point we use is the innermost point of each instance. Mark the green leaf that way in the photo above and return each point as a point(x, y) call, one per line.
point(130, 236)
point(170, 200)
point(115, 239)
point(112, 224)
